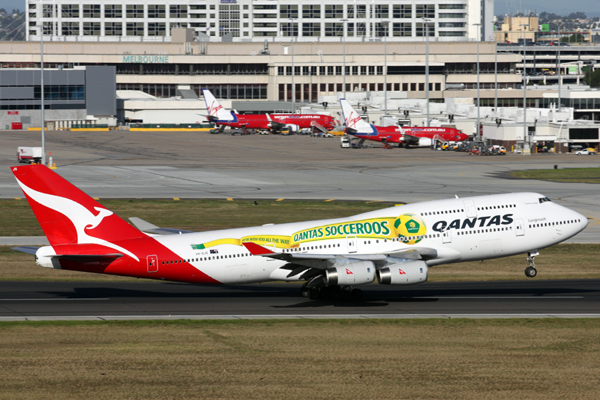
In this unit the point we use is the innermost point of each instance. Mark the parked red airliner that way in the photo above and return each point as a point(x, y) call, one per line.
point(388, 135)
point(221, 117)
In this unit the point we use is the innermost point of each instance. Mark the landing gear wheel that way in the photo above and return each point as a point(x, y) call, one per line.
point(335, 289)
point(530, 272)
point(304, 291)
point(313, 293)
point(356, 294)
point(345, 295)
point(325, 293)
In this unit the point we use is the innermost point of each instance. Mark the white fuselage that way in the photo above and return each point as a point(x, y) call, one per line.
point(460, 229)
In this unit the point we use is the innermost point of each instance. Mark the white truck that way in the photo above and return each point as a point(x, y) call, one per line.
point(31, 155)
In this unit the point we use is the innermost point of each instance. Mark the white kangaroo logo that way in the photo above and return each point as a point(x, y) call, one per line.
point(80, 216)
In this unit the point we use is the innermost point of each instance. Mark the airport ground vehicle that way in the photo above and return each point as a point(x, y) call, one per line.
point(586, 152)
point(345, 142)
point(395, 246)
point(31, 155)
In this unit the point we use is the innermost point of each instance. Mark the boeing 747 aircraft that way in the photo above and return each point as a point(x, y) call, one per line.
point(393, 246)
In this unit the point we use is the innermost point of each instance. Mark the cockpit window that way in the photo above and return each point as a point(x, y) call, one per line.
point(544, 199)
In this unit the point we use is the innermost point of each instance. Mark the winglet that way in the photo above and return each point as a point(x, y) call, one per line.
point(256, 249)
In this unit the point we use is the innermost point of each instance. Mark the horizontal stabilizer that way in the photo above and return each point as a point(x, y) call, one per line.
point(86, 258)
point(146, 226)
point(26, 249)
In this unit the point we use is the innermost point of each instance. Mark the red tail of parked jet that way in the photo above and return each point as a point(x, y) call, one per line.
point(220, 116)
point(388, 135)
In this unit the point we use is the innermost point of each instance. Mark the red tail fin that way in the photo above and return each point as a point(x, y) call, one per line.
point(68, 215)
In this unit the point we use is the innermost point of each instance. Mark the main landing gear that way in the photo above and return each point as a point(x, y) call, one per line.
point(530, 271)
point(327, 292)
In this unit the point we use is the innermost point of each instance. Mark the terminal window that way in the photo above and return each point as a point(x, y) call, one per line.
point(113, 11)
point(311, 29)
point(91, 11)
point(156, 29)
point(113, 29)
point(70, 28)
point(135, 11)
point(402, 11)
point(91, 28)
point(288, 11)
point(425, 11)
point(381, 11)
point(135, 29)
point(179, 11)
point(156, 11)
point(402, 29)
point(311, 11)
point(334, 29)
point(70, 11)
point(334, 11)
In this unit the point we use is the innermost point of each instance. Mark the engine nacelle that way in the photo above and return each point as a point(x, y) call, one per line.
point(357, 273)
point(293, 128)
point(425, 142)
point(403, 274)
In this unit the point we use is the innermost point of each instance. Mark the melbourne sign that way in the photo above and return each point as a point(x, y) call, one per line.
point(146, 59)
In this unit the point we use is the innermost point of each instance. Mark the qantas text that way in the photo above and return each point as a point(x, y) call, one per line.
point(479, 222)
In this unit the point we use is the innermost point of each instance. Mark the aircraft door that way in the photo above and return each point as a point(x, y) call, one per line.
point(470, 208)
point(447, 237)
point(152, 263)
point(519, 228)
point(352, 242)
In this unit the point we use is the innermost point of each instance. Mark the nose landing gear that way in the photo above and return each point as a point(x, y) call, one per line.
point(530, 271)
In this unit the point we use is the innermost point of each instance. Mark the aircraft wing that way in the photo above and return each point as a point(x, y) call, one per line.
point(274, 124)
point(301, 262)
point(410, 138)
point(146, 226)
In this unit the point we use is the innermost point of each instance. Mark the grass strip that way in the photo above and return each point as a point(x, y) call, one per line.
point(350, 359)
point(574, 175)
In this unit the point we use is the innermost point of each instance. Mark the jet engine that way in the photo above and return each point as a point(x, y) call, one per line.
point(357, 273)
point(425, 142)
point(403, 274)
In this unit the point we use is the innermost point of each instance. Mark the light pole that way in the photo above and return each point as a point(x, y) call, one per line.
point(496, 79)
point(344, 57)
point(386, 24)
point(426, 23)
point(293, 70)
point(524, 87)
point(559, 72)
point(478, 25)
point(42, 91)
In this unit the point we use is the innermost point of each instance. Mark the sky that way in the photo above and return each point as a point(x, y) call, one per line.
point(502, 7)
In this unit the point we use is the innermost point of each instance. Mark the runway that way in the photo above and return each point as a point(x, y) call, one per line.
point(532, 298)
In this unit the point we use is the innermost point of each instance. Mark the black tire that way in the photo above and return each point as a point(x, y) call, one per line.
point(313, 294)
point(304, 292)
point(335, 289)
point(356, 294)
point(325, 293)
point(345, 295)
point(530, 272)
